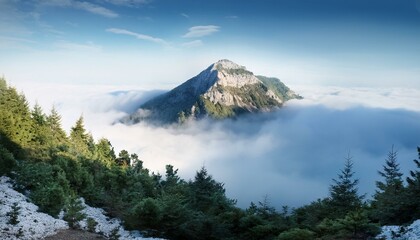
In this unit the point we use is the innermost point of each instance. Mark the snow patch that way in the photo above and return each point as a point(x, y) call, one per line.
point(31, 224)
point(106, 225)
point(35, 225)
point(411, 232)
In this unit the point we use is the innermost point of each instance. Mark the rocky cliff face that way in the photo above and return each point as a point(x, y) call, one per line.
point(224, 89)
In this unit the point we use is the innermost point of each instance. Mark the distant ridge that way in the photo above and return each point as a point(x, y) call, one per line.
point(223, 90)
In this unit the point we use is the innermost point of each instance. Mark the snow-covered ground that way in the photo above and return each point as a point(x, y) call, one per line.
point(31, 224)
point(35, 225)
point(411, 232)
point(106, 225)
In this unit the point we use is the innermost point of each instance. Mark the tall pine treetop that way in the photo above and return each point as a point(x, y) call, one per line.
point(391, 172)
point(343, 193)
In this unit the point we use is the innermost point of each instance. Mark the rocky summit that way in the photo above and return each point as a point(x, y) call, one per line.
point(223, 90)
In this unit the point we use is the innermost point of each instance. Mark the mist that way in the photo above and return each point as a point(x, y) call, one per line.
point(290, 155)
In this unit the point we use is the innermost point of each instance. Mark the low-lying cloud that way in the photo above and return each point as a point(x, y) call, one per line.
point(290, 155)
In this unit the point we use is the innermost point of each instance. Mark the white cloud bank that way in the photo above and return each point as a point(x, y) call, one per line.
point(290, 155)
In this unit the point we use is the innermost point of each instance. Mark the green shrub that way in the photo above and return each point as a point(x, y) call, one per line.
point(14, 214)
point(73, 212)
point(91, 224)
point(7, 161)
point(296, 234)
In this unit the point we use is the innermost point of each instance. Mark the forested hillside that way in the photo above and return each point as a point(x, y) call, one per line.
point(55, 169)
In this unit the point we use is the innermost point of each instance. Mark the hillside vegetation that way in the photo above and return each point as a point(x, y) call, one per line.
point(54, 169)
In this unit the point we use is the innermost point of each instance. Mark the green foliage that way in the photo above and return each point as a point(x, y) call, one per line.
point(58, 135)
point(50, 198)
point(15, 120)
point(91, 224)
point(148, 213)
point(355, 225)
point(105, 152)
point(413, 190)
point(279, 88)
point(388, 204)
point(82, 142)
point(123, 158)
point(343, 193)
point(115, 234)
point(296, 234)
point(309, 216)
point(73, 212)
point(14, 214)
point(7, 161)
point(48, 184)
point(217, 110)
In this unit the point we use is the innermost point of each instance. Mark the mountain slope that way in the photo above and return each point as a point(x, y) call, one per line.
point(225, 89)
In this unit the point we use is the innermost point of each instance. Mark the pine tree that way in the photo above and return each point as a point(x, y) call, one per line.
point(41, 135)
point(58, 135)
point(14, 214)
point(105, 152)
point(388, 200)
point(79, 138)
point(343, 193)
point(73, 212)
point(15, 120)
point(208, 194)
point(413, 190)
point(123, 158)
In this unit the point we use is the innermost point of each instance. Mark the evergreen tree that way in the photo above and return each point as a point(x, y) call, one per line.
point(413, 190)
point(7, 161)
point(343, 193)
point(123, 158)
point(58, 135)
point(41, 135)
point(171, 175)
point(15, 120)
point(79, 138)
point(14, 214)
point(205, 190)
point(388, 199)
point(105, 152)
point(73, 212)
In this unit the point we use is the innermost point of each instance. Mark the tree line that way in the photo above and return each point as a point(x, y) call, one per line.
point(54, 169)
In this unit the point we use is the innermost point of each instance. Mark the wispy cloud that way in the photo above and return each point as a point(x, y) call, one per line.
point(85, 6)
point(8, 43)
point(201, 31)
point(195, 43)
point(232, 17)
point(185, 15)
point(128, 3)
point(78, 47)
point(137, 35)
point(96, 9)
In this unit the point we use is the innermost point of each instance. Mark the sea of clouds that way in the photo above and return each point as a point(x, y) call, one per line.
point(290, 155)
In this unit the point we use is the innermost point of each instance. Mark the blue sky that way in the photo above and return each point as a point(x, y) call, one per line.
point(160, 43)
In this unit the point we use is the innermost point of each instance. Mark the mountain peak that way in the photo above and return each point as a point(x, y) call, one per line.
point(226, 64)
point(223, 90)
